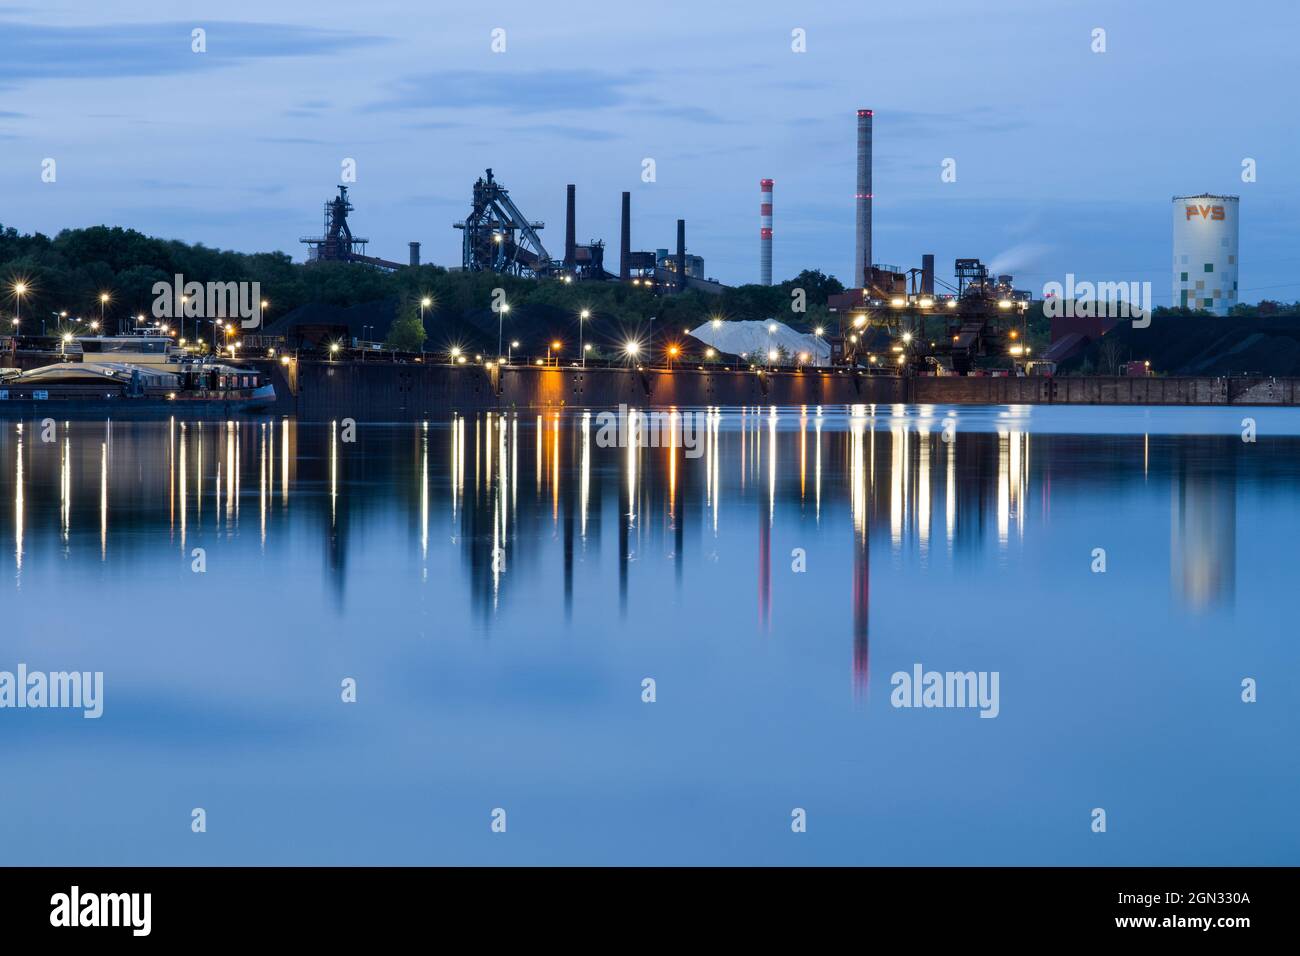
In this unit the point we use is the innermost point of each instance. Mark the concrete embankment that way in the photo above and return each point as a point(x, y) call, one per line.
point(372, 391)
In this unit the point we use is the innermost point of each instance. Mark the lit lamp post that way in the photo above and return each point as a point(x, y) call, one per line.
point(334, 347)
point(501, 316)
point(103, 301)
point(582, 317)
point(63, 343)
point(556, 347)
point(20, 289)
point(510, 355)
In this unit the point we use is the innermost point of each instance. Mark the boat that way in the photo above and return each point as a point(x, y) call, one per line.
point(121, 374)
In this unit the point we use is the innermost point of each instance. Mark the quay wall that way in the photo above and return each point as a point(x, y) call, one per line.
point(384, 391)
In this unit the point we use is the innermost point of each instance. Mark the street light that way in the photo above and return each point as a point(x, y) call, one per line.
point(20, 289)
point(510, 355)
point(582, 317)
point(334, 347)
point(103, 301)
point(501, 315)
point(556, 347)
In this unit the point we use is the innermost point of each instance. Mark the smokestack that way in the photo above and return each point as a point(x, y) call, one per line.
point(570, 230)
point(765, 231)
point(927, 274)
point(681, 254)
point(862, 200)
point(625, 240)
point(415, 253)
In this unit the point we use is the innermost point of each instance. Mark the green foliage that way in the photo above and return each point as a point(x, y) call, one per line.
point(407, 331)
point(69, 272)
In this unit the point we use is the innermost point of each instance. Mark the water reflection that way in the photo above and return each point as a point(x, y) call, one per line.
point(839, 483)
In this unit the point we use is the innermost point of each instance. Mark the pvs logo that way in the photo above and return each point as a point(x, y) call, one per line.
point(1205, 212)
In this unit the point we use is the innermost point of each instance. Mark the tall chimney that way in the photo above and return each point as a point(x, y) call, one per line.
point(927, 274)
point(415, 253)
point(625, 240)
point(681, 255)
point(765, 231)
point(570, 230)
point(862, 200)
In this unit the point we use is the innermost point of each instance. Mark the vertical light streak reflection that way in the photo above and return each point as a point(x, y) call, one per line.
point(771, 465)
point(103, 500)
point(65, 486)
point(424, 491)
point(262, 474)
point(171, 474)
point(454, 461)
point(950, 491)
point(584, 488)
point(803, 452)
point(503, 478)
point(1004, 486)
point(923, 489)
point(715, 469)
point(861, 590)
point(897, 482)
point(284, 462)
point(555, 468)
point(184, 482)
point(334, 472)
point(817, 467)
point(19, 506)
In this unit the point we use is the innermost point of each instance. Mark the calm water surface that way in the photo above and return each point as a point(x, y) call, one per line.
point(499, 587)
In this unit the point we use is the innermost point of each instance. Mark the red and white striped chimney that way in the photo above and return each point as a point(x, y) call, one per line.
point(765, 231)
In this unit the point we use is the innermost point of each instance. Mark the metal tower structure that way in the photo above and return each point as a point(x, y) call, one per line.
point(497, 236)
point(336, 244)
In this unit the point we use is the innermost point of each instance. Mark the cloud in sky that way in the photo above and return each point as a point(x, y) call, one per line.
point(32, 51)
point(519, 91)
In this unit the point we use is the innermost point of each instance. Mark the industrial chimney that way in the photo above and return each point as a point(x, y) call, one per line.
point(570, 230)
point(625, 240)
point(927, 274)
point(415, 253)
point(765, 231)
point(681, 255)
point(862, 200)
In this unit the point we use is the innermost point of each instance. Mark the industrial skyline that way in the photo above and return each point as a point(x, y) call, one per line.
point(1069, 173)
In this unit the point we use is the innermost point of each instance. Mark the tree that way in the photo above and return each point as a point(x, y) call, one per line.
point(407, 334)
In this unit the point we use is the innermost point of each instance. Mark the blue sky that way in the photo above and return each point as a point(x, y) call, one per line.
point(1066, 159)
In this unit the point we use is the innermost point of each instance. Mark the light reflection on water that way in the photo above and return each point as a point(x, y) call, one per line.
point(499, 584)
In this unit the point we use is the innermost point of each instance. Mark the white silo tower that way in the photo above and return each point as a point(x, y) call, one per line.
point(1205, 252)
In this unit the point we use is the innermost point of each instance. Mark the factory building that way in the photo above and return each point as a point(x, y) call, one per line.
point(694, 264)
point(1205, 252)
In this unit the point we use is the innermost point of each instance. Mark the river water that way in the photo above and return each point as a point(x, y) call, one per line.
point(504, 592)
